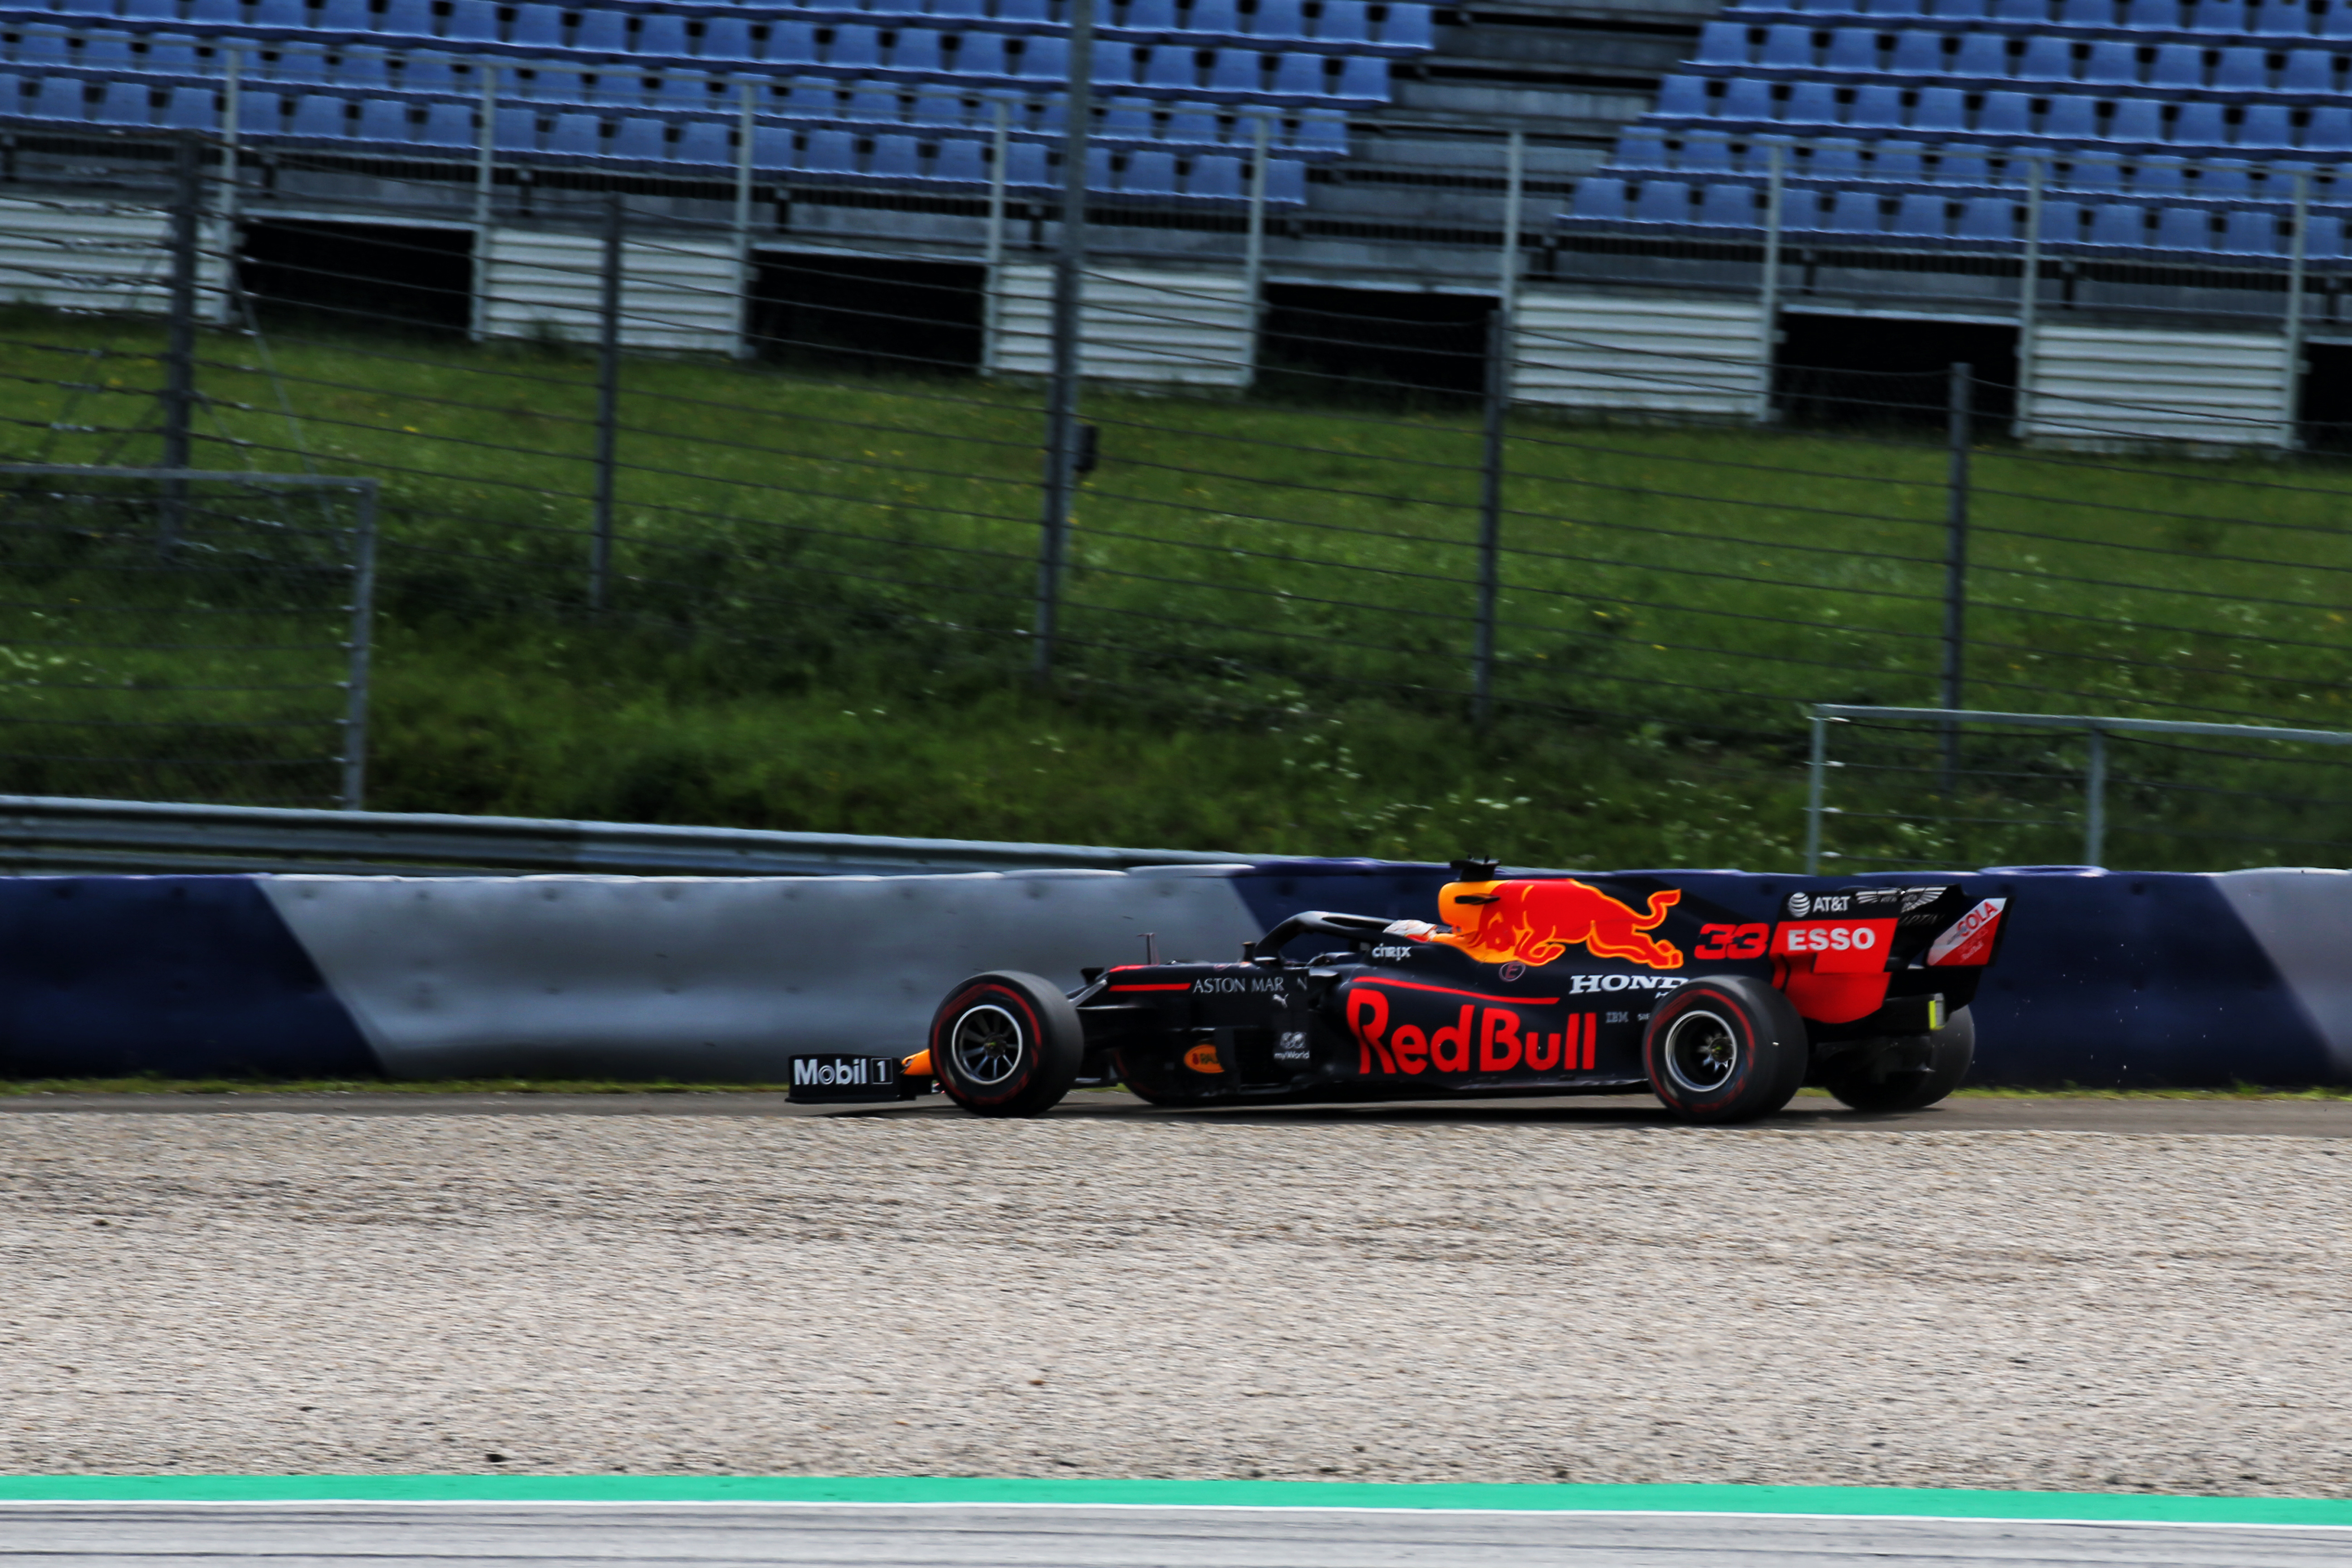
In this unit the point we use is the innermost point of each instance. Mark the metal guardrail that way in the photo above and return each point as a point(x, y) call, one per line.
point(64, 834)
point(2094, 778)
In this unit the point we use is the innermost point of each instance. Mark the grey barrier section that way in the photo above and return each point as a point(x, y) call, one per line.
point(2302, 918)
point(704, 978)
point(62, 833)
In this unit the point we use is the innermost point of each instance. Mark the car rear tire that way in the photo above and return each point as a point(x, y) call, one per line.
point(1007, 1044)
point(1860, 1082)
point(1725, 1049)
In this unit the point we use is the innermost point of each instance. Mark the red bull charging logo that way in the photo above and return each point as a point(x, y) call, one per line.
point(1534, 923)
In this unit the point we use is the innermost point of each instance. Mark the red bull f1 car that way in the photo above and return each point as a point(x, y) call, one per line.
point(1539, 984)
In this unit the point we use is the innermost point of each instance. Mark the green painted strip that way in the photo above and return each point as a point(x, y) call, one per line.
point(1856, 1502)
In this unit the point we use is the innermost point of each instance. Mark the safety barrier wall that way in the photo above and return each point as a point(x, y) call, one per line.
point(2104, 979)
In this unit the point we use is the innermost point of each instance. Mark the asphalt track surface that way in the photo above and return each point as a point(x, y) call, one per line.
point(116, 1535)
point(1810, 1112)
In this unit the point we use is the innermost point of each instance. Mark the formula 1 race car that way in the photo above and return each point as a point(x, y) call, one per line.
point(1542, 985)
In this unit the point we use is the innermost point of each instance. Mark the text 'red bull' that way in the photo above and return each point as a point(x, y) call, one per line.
point(1497, 1038)
point(1534, 923)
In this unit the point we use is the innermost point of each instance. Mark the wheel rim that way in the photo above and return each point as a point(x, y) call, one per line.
point(986, 1044)
point(1701, 1051)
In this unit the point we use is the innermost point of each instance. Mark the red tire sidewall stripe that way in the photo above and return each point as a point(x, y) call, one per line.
point(957, 1005)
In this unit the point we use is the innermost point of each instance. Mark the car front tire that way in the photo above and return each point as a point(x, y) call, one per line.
point(1007, 1044)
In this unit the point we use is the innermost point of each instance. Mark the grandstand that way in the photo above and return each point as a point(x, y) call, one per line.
point(2119, 200)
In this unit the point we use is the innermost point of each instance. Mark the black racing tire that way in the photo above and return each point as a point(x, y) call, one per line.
point(1007, 1044)
point(1951, 1050)
point(1725, 1048)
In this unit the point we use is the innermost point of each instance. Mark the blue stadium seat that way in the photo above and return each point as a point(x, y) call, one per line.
point(1126, 120)
point(1280, 21)
point(1217, 178)
point(1988, 220)
point(125, 103)
point(2184, 228)
point(2072, 118)
point(2329, 130)
point(1852, 49)
point(43, 48)
point(1918, 57)
point(1679, 97)
point(2152, 15)
point(2242, 70)
point(1958, 168)
point(279, 18)
point(2061, 223)
point(2308, 71)
point(662, 35)
point(1728, 207)
point(537, 28)
point(1922, 217)
point(1835, 160)
point(1706, 154)
point(1982, 55)
point(871, 105)
point(2113, 62)
point(1025, 15)
point(515, 130)
point(1877, 108)
point(384, 120)
point(2200, 123)
point(859, 49)
point(2225, 177)
point(601, 32)
point(471, 22)
point(2267, 126)
point(726, 39)
point(1149, 174)
point(106, 51)
point(2116, 225)
point(2140, 122)
point(1788, 47)
point(302, 65)
point(1811, 103)
point(320, 117)
point(1286, 183)
point(447, 125)
point(1344, 23)
point(1299, 75)
point(2097, 175)
point(960, 161)
point(2005, 114)
point(2336, 22)
point(2280, 18)
point(575, 135)
point(2323, 239)
point(1222, 19)
point(362, 68)
point(429, 72)
point(1238, 73)
point(168, 55)
point(1026, 166)
point(2047, 58)
point(1640, 147)
point(151, 11)
point(2159, 176)
point(1045, 60)
point(406, 19)
point(2181, 66)
point(982, 54)
point(1098, 169)
point(2219, 17)
point(1662, 201)
point(1114, 66)
point(1364, 78)
point(260, 115)
point(1800, 211)
point(1894, 160)
point(705, 141)
point(638, 139)
point(789, 44)
point(1940, 109)
point(1170, 67)
point(1156, 17)
point(2087, 12)
point(2036, 12)
point(830, 153)
point(1748, 100)
point(207, 16)
point(345, 19)
point(1600, 197)
point(1407, 27)
point(916, 51)
point(1854, 212)
point(1722, 44)
point(771, 147)
point(1196, 123)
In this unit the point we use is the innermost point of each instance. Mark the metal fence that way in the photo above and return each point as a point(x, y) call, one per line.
point(1181, 494)
point(179, 633)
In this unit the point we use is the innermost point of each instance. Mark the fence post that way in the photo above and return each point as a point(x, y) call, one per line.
point(2297, 258)
point(362, 633)
point(1816, 781)
point(1254, 248)
point(1515, 181)
point(486, 173)
point(747, 131)
point(1490, 511)
point(1768, 303)
point(180, 342)
point(1957, 420)
point(2028, 303)
point(2094, 788)
point(1062, 398)
point(608, 402)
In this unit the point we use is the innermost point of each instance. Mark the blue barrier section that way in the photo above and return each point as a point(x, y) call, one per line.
point(2103, 979)
point(188, 976)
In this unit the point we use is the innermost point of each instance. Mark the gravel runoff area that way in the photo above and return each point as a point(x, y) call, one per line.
point(1162, 1298)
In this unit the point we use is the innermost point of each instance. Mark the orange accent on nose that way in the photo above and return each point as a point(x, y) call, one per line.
point(917, 1066)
